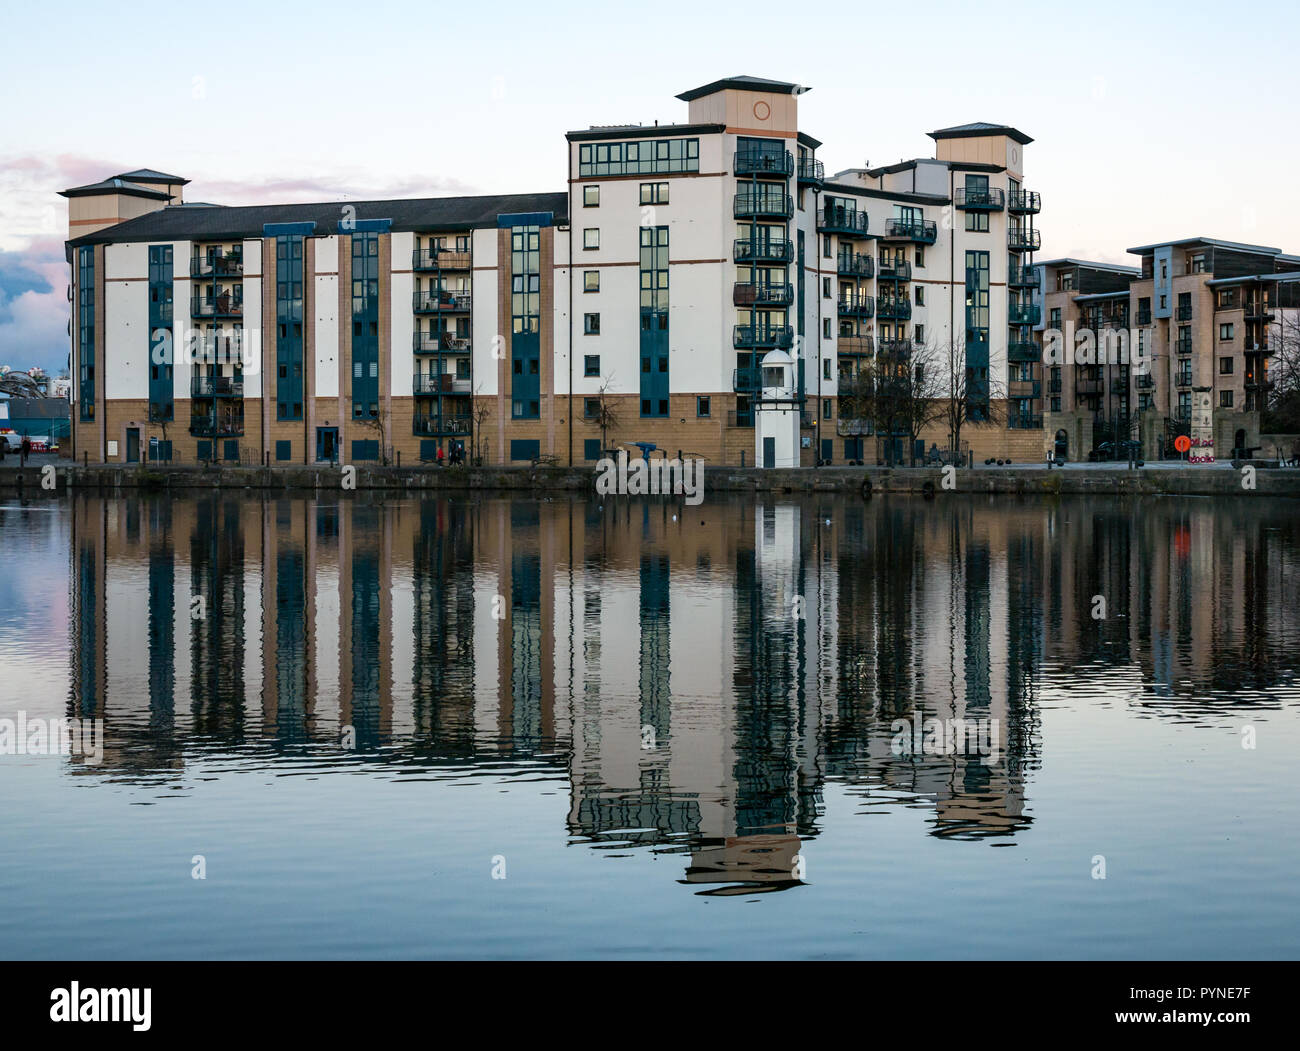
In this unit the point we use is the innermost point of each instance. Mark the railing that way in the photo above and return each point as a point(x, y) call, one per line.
point(896, 348)
point(922, 231)
point(1145, 381)
point(217, 266)
point(1254, 382)
point(440, 301)
point(440, 259)
point(1024, 422)
point(220, 306)
point(1183, 345)
point(894, 309)
point(213, 427)
point(855, 264)
point(439, 343)
point(764, 250)
point(763, 162)
point(1020, 350)
point(762, 336)
point(811, 170)
point(856, 306)
point(1025, 202)
point(1022, 277)
point(1083, 385)
point(439, 383)
point(1257, 312)
point(748, 204)
point(853, 428)
point(432, 425)
point(1185, 312)
point(1144, 315)
point(861, 345)
point(744, 294)
point(897, 270)
point(216, 387)
point(990, 199)
point(838, 219)
point(1024, 389)
point(1024, 240)
point(1024, 314)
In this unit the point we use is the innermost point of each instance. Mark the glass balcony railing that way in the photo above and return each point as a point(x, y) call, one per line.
point(430, 426)
point(1024, 202)
point(855, 264)
point(746, 294)
point(216, 386)
point(750, 205)
point(838, 219)
point(1024, 314)
point(441, 301)
point(862, 346)
point(1020, 350)
point(989, 199)
point(921, 231)
point(747, 336)
point(1022, 240)
point(855, 306)
point(763, 250)
point(440, 259)
point(764, 162)
point(895, 270)
point(894, 309)
point(1024, 422)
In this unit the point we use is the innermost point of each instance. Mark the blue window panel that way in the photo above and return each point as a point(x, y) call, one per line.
point(591, 448)
point(205, 451)
point(525, 448)
point(428, 449)
point(284, 450)
point(365, 449)
point(231, 451)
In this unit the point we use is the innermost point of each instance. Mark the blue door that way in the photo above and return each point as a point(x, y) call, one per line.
point(327, 444)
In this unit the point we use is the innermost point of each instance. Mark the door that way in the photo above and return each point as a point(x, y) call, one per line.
point(327, 443)
point(769, 452)
point(133, 445)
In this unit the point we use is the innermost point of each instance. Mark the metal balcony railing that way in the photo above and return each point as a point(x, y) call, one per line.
point(895, 348)
point(1020, 350)
point(895, 270)
point(855, 264)
point(894, 309)
point(434, 425)
point(922, 231)
point(763, 162)
point(441, 301)
point(811, 170)
point(841, 220)
point(426, 383)
point(216, 387)
point(855, 306)
point(763, 250)
point(1184, 312)
point(989, 199)
point(1024, 240)
point(1145, 381)
point(439, 343)
point(1183, 345)
point(1144, 315)
point(746, 294)
point(1024, 422)
point(222, 306)
point(764, 204)
point(1083, 385)
point(1024, 202)
point(216, 426)
point(1022, 277)
point(744, 336)
point(225, 265)
point(440, 259)
point(746, 381)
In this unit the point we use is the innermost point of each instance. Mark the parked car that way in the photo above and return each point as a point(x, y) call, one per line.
point(1115, 451)
point(13, 440)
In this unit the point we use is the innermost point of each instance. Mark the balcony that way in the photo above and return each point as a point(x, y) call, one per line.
point(919, 231)
point(1183, 345)
point(843, 221)
point(1084, 386)
point(217, 426)
point(1254, 381)
point(811, 170)
point(896, 348)
point(764, 162)
point(766, 336)
point(440, 301)
point(224, 265)
point(431, 383)
point(1024, 422)
point(762, 205)
point(1024, 314)
point(1024, 202)
point(1020, 350)
point(855, 264)
point(989, 199)
point(1020, 389)
point(1024, 240)
point(1145, 381)
point(856, 306)
point(216, 386)
point(424, 259)
point(1258, 312)
point(894, 309)
point(764, 250)
point(746, 294)
point(747, 381)
point(439, 343)
point(1184, 312)
point(1144, 316)
point(895, 270)
point(862, 346)
point(432, 425)
point(1022, 277)
point(225, 305)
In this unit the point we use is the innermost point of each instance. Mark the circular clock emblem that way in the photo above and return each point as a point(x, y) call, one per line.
point(762, 110)
point(1015, 155)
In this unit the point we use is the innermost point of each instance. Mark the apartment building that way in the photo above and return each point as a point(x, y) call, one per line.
point(1203, 314)
point(703, 287)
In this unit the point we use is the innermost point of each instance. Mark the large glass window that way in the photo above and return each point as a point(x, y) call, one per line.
point(650, 157)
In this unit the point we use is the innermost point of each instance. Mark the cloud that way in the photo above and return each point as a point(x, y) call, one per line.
point(34, 307)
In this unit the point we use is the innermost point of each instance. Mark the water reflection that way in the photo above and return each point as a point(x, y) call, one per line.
point(697, 675)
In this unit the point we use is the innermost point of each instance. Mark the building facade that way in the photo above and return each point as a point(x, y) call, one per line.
point(702, 287)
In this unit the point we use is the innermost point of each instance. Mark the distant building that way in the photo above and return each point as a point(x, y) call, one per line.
point(37, 417)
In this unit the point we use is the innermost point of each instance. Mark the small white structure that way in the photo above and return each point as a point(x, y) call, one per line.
point(776, 419)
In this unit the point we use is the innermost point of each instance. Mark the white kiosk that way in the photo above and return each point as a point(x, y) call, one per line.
point(776, 417)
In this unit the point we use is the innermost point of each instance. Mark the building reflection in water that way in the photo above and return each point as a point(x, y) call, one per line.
point(700, 674)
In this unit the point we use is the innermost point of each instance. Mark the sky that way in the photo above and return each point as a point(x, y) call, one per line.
point(1151, 122)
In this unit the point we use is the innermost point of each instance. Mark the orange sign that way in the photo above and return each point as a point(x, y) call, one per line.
point(1182, 443)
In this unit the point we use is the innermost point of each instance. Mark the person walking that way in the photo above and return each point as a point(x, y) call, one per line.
point(26, 451)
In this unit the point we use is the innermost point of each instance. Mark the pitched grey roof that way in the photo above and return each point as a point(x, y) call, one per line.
point(151, 175)
point(981, 127)
point(744, 83)
point(117, 184)
point(190, 223)
point(1237, 245)
point(1092, 264)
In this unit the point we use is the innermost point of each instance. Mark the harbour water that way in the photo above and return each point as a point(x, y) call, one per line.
point(479, 727)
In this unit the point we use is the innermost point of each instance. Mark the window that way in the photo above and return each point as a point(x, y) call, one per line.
point(1164, 302)
point(590, 238)
point(703, 407)
point(919, 335)
point(654, 193)
point(826, 368)
point(826, 409)
point(1198, 263)
point(920, 289)
point(1225, 399)
point(591, 448)
point(643, 157)
point(284, 450)
point(826, 288)
point(1225, 331)
point(1225, 366)
point(920, 255)
point(591, 408)
point(591, 280)
point(1056, 404)
point(591, 196)
point(826, 246)
point(977, 222)
point(826, 328)
point(1055, 316)
point(591, 324)
point(591, 365)
point(1164, 270)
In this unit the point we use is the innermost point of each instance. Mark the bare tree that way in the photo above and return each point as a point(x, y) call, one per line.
point(379, 424)
point(479, 414)
point(606, 412)
point(969, 397)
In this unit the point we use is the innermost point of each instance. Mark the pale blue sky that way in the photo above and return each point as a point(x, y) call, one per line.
point(1150, 124)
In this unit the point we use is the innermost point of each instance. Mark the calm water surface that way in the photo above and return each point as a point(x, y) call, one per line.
point(668, 728)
